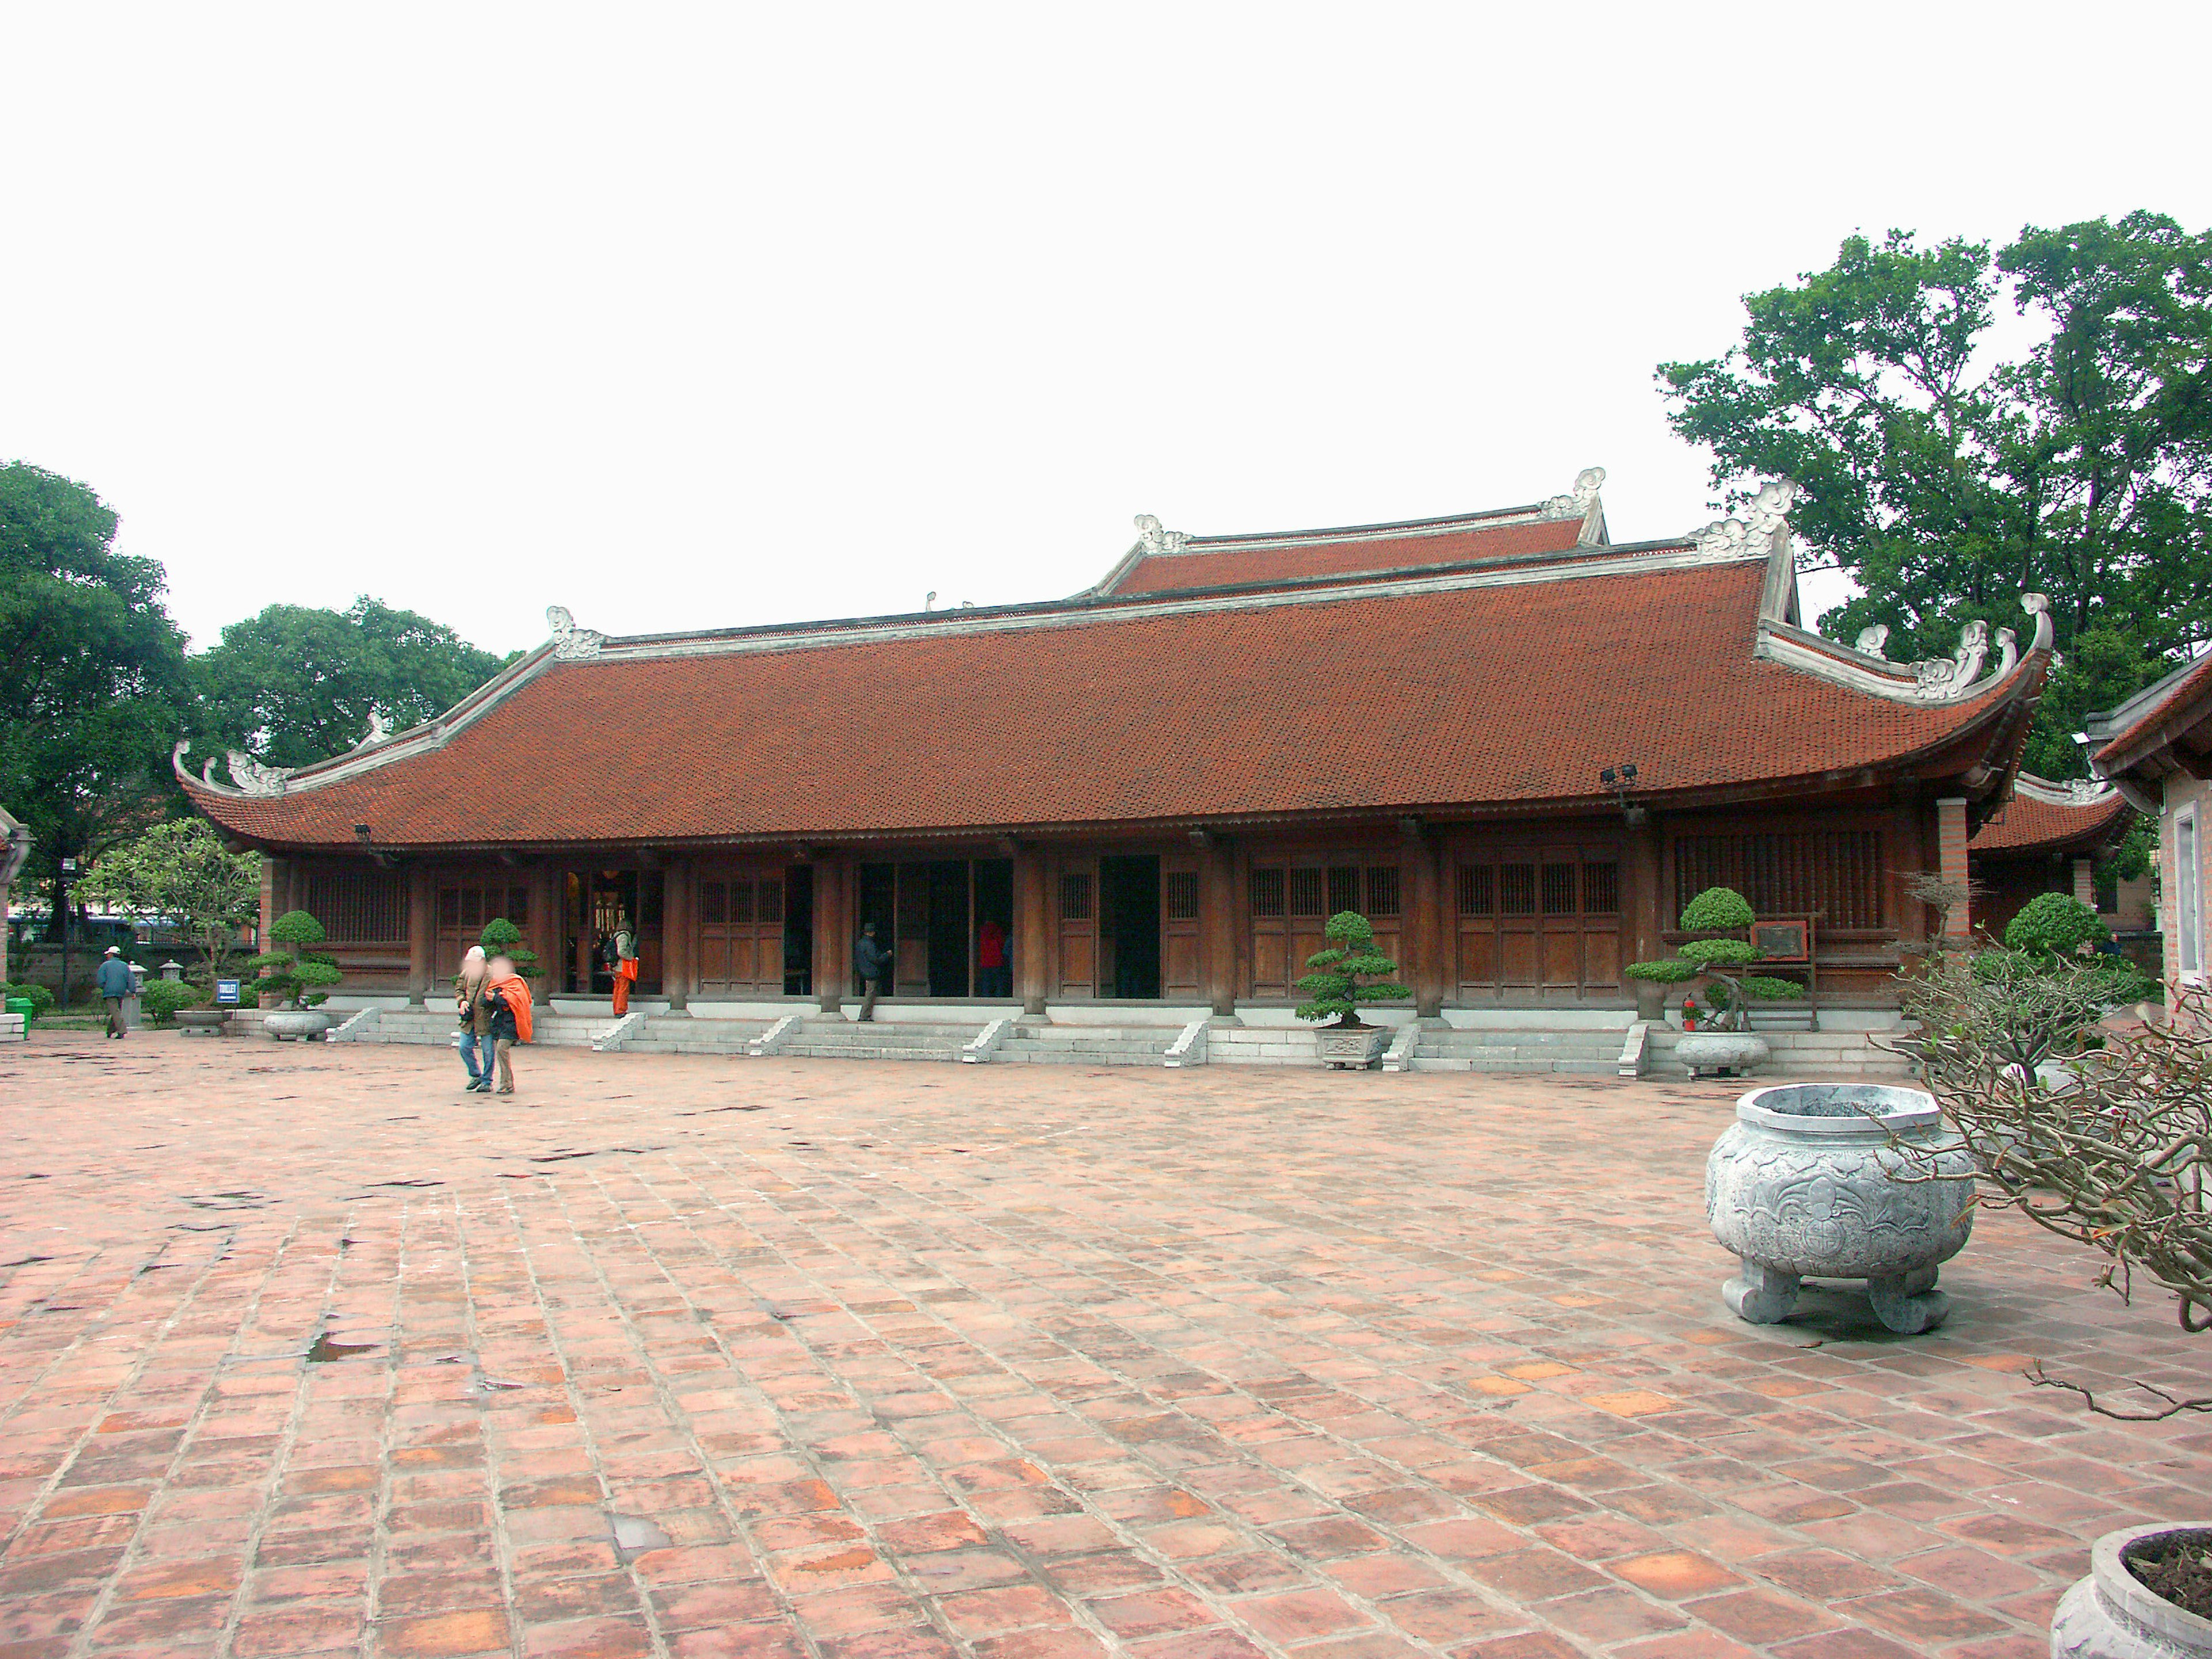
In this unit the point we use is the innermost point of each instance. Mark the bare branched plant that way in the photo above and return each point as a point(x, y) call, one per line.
point(2102, 1137)
point(1941, 895)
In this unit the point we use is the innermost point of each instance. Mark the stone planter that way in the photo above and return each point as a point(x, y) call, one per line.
point(2110, 1615)
point(1651, 997)
point(289, 1024)
point(1804, 1185)
point(1351, 1047)
point(1730, 1053)
point(202, 1022)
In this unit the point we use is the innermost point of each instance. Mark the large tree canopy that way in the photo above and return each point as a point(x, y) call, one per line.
point(90, 695)
point(1947, 472)
point(295, 685)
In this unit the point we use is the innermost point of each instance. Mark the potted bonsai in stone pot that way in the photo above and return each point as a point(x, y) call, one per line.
point(1335, 991)
point(295, 975)
point(2109, 1145)
point(1717, 965)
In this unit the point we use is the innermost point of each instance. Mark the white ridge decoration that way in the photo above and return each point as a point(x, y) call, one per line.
point(248, 775)
point(570, 642)
point(1871, 641)
point(1156, 540)
point(1767, 517)
point(2072, 792)
point(1588, 482)
point(1946, 677)
point(380, 730)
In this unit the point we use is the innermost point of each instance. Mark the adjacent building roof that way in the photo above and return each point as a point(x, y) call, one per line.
point(2043, 816)
point(2163, 728)
point(1493, 686)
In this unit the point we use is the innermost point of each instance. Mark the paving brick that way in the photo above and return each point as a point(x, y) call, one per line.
point(988, 1364)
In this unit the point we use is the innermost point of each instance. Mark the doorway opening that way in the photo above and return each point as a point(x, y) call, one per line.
point(1129, 938)
point(930, 915)
point(798, 931)
point(597, 901)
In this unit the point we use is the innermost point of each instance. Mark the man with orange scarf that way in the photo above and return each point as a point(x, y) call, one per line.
point(508, 994)
point(622, 954)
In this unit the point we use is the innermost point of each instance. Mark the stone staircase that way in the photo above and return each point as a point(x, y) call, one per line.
point(433, 1027)
point(680, 1034)
point(1035, 1044)
point(845, 1039)
point(1593, 1049)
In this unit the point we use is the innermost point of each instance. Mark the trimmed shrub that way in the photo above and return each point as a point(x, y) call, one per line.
point(161, 999)
point(41, 999)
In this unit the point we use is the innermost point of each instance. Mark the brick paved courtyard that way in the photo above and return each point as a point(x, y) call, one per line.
point(704, 1357)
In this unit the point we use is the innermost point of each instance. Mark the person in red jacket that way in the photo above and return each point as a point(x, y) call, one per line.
point(992, 977)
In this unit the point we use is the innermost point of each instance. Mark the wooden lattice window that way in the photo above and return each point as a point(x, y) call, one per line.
point(1268, 892)
point(714, 902)
point(771, 898)
point(1343, 890)
point(1183, 895)
point(1833, 875)
point(741, 904)
point(1075, 896)
point(1601, 889)
point(1477, 890)
point(1383, 889)
point(1518, 889)
point(1306, 893)
point(1560, 889)
point(357, 907)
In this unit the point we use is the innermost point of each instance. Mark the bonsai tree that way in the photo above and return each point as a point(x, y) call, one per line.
point(181, 869)
point(1719, 960)
point(2056, 924)
point(501, 938)
point(294, 974)
point(1334, 988)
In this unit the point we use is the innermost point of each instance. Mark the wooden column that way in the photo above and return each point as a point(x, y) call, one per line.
point(1648, 908)
point(420, 932)
point(543, 935)
point(1428, 940)
point(1217, 907)
point(1950, 850)
point(2085, 881)
point(272, 868)
point(678, 931)
point(1032, 924)
point(833, 943)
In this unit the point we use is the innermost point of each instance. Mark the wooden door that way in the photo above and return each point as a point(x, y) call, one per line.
point(1293, 901)
point(739, 933)
point(1179, 947)
point(910, 975)
point(463, 904)
point(1078, 921)
point(1539, 923)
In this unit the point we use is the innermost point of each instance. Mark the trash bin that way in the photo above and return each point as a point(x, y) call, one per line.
point(22, 1006)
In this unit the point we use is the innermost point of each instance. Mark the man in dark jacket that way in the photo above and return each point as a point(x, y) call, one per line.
point(116, 983)
point(873, 964)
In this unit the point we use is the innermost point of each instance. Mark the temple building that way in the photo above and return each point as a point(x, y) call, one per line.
point(1515, 744)
point(2156, 748)
point(2048, 839)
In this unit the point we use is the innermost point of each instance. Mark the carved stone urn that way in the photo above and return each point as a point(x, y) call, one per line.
point(1807, 1184)
point(202, 1022)
point(1736, 1053)
point(2113, 1614)
point(1351, 1046)
point(290, 1024)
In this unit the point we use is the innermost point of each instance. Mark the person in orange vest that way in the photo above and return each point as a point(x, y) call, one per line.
point(508, 994)
point(622, 963)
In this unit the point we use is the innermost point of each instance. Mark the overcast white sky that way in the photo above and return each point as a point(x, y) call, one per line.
point(705, 315)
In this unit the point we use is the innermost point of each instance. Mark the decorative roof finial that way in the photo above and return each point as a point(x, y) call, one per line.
point(1766, 517)
point(1156, 540)
point(380, 730)
point(1872, 639)
point(570, 642)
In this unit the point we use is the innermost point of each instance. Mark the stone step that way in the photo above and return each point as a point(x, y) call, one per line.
point(1588, 1068)
point(863, 1051)
point(1089, 1050)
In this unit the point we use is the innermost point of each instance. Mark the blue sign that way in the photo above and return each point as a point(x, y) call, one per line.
point(226, 993)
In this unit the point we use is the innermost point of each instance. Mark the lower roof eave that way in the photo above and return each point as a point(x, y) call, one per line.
point(1863, 786)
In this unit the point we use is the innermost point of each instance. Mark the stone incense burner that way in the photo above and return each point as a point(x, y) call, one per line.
point(1806, 1184)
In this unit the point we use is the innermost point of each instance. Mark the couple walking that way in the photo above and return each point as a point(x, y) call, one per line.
point(492, 1002)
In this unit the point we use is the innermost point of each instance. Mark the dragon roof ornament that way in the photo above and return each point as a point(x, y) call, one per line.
point(1766, 517)
point(248, 776)
point(1943, 679)
point(2068, 792)
point(1154, 539)
point(570, 642)
point(1577, 503)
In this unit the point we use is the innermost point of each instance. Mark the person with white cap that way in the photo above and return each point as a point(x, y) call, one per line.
point(116, 982)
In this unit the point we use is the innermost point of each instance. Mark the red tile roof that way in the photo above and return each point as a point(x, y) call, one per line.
point(2117, 746)
point(2029, 825)
point(1408, 699)
point(1324, 554)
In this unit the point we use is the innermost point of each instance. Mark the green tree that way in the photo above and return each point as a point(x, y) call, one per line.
point(295, 685)
point(294, 975)
point(1725, 912)
point(181, 869)
point(1945, 482)
point(89, 700)
point(1335, 986)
